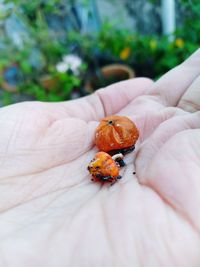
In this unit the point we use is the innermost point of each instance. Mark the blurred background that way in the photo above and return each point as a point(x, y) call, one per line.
point(55, 50)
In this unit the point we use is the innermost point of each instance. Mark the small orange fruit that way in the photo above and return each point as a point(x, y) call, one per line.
point(116, 133)
point(104, 168)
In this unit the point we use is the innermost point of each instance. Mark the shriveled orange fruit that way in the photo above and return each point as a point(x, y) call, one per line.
point(116, 133)
point(104, 168)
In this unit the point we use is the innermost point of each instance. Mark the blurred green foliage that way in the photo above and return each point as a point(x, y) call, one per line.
point(44, 46)
point(191, 23)
point(150, 56)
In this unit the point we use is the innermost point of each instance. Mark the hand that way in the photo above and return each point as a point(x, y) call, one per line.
point(53, 215)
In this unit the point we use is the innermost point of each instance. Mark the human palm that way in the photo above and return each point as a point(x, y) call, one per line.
point(52, 215)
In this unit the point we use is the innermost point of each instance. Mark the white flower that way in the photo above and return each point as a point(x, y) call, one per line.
point(62, 67)
point(70, 62)
point(73, 62)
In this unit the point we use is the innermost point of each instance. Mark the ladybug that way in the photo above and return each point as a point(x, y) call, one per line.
point(116, 134)
point(105, 168)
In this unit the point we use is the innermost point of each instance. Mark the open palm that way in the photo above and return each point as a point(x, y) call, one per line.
point(52, 215)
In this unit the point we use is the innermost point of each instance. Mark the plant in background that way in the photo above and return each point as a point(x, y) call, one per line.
point(148, 55)
point(50, 63)
point(63, 86)
point(57, 83)
point(70, 62)
point(191, 23)
point(40, 52)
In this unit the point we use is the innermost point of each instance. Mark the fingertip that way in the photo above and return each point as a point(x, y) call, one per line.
point(116, 96)
point(105, 101)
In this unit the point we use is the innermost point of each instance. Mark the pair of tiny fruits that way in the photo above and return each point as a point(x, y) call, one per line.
point(114, 137)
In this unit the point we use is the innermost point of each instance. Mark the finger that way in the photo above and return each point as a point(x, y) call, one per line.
point(163, 133)
point(176, 177)
point(105, 101)
point(169, 89)
point(169, 164)
point(148, 123)
point(190, 101)
point(162, 93)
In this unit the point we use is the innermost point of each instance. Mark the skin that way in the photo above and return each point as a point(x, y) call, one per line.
point(52, 215)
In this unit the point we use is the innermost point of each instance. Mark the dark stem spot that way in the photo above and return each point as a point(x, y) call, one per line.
point(120, 162)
